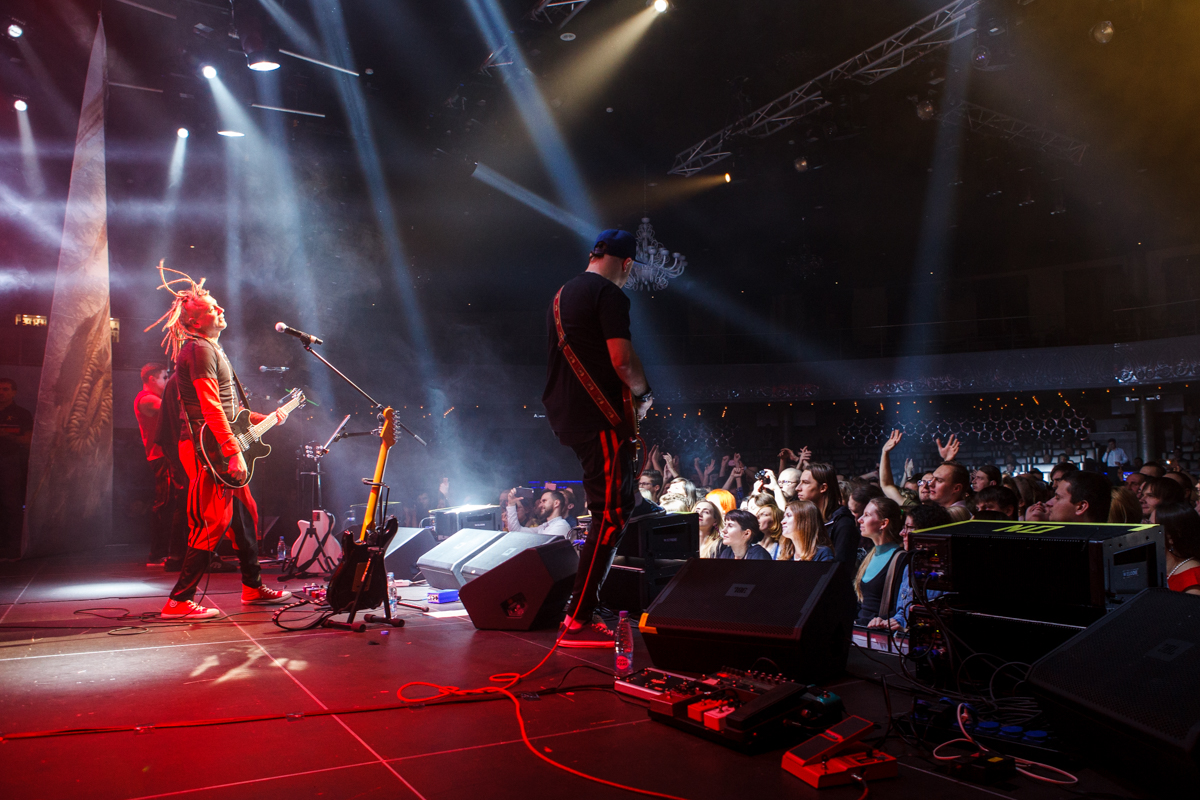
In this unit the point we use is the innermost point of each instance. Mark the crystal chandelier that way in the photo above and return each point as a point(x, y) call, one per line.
point(654, 265)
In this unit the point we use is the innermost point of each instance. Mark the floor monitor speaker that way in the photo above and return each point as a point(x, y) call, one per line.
point(442, 566)
point(527, 591)
point(792, 617)
point(406, 547)
point(1126, 689)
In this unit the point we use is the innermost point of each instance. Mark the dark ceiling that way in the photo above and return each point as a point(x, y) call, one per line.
point(778, 259)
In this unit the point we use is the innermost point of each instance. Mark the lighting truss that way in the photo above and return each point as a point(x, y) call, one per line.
point(993, 123)
point(947, 24)
point(557, 11)
point(496, 58)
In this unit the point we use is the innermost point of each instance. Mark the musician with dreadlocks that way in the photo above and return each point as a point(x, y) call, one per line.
point(206, 384)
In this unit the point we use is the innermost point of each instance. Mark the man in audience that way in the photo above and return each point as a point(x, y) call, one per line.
point(651, 481)
point(1060, 471)
point(997, 498)
point(1081, 497)
point(1114, 458)
point(1153, 469)
point(985, 476)
point(1134, 482)
point(949, 489)
point(551, 507)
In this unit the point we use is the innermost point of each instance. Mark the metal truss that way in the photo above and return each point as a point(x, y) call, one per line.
point(947, 24)
point(993, 123)
point(557, 11)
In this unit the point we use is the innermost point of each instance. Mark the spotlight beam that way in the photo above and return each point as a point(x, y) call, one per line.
point(580, 227)
point(293, 29)
point(148, 8)
point(551, 149)
point(318, 62)
point(29, 159)
point(287, 110)
point(598, 65)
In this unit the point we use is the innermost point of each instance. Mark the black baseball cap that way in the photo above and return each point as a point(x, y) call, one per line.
point(615, 242)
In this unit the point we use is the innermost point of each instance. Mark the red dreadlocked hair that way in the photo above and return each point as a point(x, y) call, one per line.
point(174, 332)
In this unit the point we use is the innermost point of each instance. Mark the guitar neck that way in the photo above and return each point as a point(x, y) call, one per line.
point(268, 423)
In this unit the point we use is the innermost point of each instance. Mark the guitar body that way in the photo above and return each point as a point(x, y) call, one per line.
point(219, 464)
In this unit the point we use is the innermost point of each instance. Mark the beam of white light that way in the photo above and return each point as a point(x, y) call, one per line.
point(290, 27)
point(318, 62)
point(29, 159)
point(175, 171)
point(32, 216)
point(148, 8)
point(595, 67)
point(522, 85)
point(584, 229)
point(332, 24)
point(287, 110)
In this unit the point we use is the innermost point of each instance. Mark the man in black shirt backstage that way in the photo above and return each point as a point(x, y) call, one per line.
point(596, 390)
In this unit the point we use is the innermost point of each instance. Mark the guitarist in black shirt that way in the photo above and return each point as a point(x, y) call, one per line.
point(207, 391)
point(596, 392)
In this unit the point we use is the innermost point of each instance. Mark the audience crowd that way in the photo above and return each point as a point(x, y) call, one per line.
point(806, 511)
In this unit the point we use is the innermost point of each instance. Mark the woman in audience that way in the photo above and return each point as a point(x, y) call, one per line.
point(819, 485)
point(1181, 530)
point(770, 519)
point(711, 520)
point(1155, 492)
point(804, 536)
point(722, 499)
point(1125, 508)
point(885, 569)
point(739, 537)
point(679, 496)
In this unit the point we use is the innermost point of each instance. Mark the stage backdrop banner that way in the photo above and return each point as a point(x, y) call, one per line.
point(69, 500)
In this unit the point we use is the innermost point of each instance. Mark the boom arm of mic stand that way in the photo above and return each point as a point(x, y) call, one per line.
point(378, 406)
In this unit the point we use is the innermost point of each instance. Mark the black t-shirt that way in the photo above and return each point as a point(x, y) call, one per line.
point(15, 421)
point(593, 310)
point(200, 359)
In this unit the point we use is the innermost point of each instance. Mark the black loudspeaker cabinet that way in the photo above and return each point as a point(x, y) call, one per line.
point(793, 617)
point(529, 590)
point(406, 547)
point(1128, 689)
point(669, 536)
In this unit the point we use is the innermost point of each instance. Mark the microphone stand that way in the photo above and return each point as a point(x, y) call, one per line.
point(374, 403)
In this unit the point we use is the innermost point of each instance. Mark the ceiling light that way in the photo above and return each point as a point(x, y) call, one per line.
point(182, 133)
point(661, 5)
point(263, 64)
point(981, 57)
point(567, 37)
point(208, 71)
point(925, 110)
point(1102, 32)
point(15, 31)
point(20, 105)
point(728, 177)
point(801, 164)
point(231, 134)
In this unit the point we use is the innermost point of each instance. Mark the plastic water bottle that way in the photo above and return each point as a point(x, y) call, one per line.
point(393, 592)
point(623, 663)
point(281, 549)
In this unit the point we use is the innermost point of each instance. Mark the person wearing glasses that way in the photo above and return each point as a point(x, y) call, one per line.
point(784, 487)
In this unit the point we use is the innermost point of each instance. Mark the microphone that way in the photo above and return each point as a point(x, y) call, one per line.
point(280, 370)
point(307, 338)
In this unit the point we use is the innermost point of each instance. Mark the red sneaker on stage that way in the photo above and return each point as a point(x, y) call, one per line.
point(594, 635)
point(262, 596)
point(187, 609)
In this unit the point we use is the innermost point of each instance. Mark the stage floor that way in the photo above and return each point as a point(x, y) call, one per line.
point(62, 668)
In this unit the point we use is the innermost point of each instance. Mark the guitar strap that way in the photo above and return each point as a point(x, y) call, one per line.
point(581, 372)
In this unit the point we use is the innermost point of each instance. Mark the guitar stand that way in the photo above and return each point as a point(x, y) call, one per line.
point(374, 562)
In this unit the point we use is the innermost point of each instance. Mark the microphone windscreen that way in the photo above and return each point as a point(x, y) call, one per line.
point(279, 326)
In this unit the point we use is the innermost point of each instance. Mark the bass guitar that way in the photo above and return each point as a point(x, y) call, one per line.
point(249, 441)
point(359, 580)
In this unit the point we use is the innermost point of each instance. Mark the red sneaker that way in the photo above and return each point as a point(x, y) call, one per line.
point(596, 635)
point(187, 609)
point(262, 596)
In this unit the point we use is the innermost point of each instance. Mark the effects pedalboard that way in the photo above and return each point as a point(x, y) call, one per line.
point(737, 708)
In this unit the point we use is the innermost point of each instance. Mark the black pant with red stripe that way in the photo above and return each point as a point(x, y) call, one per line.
point(610, 474)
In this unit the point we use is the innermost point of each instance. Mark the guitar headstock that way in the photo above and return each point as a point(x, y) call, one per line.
point(297, 396)
point(388, 433)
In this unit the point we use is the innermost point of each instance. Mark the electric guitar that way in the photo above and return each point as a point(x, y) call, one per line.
point(249, 441)
point(354, 577)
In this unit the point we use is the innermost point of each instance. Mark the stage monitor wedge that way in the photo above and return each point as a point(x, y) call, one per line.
point(442, 566)
point(502, 550)
point(529, 590)
point(405, 549)
point(1126, 690)
point(792, 617)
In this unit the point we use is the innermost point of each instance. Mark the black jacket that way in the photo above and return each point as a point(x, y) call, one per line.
point(843, 532)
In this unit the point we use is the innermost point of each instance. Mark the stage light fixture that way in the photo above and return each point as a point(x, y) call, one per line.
point(1102, 32)
point(728, 177)
point(981, 57)
point(15, 31)
point(20, 105)
point(182, 133)
point(801, 164)
point(661, 5)
point(925, 110)
point(208, 71)
point(567, 37)
point(231, 134)
point(261, 63)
